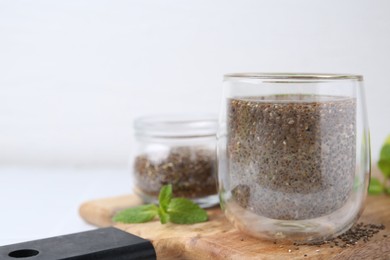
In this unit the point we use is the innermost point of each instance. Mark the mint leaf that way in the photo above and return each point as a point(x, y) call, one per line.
point(384, 159)
point(139, 214)
point(175, 210)
point(387, 141)
point(165, 196)
point(384, 166)
point(184, 211)
point(375, 187)
point(164, 217)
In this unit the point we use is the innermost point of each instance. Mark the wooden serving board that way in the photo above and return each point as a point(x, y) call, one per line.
point(218, 239)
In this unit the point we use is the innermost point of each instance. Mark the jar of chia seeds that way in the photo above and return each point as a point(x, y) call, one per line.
point(293, 154)
point(177, 150)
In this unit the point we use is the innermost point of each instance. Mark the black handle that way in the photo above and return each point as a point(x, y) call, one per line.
point(100, 244)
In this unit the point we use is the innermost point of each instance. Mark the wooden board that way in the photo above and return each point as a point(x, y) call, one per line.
point(218, 239)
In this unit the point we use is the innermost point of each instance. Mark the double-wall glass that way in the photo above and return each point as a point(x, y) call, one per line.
point(293, 154)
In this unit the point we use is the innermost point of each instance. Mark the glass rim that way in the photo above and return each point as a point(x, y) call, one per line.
point(293, 76)
point(176, 126)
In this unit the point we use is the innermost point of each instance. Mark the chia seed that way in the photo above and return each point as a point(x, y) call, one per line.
point(190, 170)
point(291, 157)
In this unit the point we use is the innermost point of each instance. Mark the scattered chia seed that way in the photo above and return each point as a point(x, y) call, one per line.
point(291, 157)
point(355, 234)
point(358, 232)
point(190, 170)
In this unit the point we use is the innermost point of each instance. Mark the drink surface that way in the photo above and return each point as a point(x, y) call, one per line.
point(291, 157)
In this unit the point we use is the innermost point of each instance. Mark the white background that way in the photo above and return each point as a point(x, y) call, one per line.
point(74, 74)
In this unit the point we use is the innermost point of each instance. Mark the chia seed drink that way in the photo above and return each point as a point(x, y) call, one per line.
point(190, 170)
point(293, 154)
point(291, 157)
point(177, 150)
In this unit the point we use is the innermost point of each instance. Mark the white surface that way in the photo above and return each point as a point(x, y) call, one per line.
point(40, 202)
point(75, 73)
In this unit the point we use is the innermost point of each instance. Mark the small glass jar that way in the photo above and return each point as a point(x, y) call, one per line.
point(293, 154)
point(177, 150)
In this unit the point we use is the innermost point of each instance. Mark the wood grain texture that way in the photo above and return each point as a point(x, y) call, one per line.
point(218, 239)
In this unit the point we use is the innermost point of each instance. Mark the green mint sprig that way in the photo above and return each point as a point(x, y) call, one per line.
point(174, 210)
point(376, 186)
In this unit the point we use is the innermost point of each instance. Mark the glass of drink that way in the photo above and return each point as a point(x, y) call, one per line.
point(293, 154)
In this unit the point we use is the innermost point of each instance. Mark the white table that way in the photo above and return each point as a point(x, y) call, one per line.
point(43, 202)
